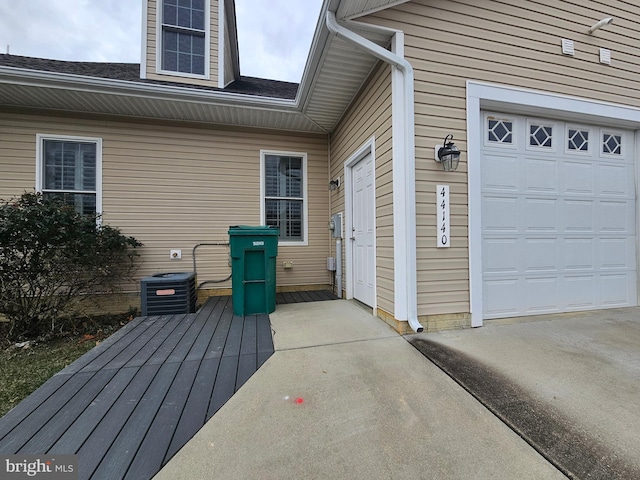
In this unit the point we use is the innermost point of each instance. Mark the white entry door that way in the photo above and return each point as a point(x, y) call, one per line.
point(558, 216)
point(363, 231)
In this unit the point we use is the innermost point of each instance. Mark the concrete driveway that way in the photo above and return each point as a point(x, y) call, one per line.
point(345, 397)
point(568, 384)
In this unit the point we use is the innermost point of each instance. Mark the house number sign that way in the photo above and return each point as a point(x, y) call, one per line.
point(443, 233)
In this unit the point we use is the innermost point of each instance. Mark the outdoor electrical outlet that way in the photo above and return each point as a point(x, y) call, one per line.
point(287, 264)
point(175, 254)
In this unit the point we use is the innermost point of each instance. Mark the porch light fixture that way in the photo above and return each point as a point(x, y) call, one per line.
point(334, 184)
point(600, 24)
point(448, 155)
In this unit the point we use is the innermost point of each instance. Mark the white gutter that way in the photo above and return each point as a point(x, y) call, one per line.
point(65, 81)
point(404, 184)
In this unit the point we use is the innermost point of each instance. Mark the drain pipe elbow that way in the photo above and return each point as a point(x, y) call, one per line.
point(415, 325)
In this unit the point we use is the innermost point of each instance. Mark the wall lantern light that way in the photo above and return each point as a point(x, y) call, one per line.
point(448, 154)
point(334, 184)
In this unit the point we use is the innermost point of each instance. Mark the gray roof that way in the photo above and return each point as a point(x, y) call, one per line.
point(334, 73)
point(131, 72)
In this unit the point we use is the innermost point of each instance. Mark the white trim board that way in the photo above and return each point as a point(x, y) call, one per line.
point(519, 100)
point(369, 147)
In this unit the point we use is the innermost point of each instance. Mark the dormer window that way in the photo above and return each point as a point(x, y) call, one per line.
point(184, 36)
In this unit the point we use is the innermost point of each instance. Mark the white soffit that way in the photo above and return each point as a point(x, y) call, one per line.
point(342, 72)
point(141, 106)
point(350, 9)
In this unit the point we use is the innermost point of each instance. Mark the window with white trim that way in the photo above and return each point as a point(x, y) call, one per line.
point(283, 187)
point(69, 167)
point(184, 36)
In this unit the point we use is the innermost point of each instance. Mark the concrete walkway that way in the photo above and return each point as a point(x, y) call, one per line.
point(569, 384)
point(345, 397)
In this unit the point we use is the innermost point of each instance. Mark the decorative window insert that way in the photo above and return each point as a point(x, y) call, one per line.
point(184, 36)
point(611, 143)
point(70, 167)
point(499, 131)
point(284, 202)
point(540, 135)
point(577, 140)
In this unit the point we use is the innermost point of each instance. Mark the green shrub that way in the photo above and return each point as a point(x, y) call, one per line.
point(51, 258)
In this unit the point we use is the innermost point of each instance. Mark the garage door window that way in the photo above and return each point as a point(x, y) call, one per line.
point(611, 144)
point(500, 131)
point(540, 135)
point(578, 140)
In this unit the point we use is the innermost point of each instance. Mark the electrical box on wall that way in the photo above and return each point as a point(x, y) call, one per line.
point(336, 225)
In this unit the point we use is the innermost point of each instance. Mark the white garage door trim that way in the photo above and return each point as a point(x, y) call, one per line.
point(516, 100)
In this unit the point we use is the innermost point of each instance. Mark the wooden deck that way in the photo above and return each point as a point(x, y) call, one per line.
point(127, 406)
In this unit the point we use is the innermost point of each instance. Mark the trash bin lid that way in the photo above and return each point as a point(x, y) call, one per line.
point(253, 230)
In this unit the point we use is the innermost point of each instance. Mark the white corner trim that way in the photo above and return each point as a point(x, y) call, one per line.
point(143, 50)
point(520, 100)
point(222, 26)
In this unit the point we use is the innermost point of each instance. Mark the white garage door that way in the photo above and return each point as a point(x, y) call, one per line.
point(558, 217)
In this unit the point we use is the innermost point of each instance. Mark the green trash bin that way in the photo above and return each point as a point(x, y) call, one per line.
point(253, 268)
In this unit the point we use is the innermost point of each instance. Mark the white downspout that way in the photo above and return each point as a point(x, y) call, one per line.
point(404, 185)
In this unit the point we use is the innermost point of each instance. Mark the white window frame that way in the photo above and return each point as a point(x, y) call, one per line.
point(40, 139)
point(207, 43)
point(305, 194)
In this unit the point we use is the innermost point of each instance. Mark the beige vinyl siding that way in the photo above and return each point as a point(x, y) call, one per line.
point(370, 116)
point(152, 58)
point(504, 42)
point(174, 186)
point(17, 175)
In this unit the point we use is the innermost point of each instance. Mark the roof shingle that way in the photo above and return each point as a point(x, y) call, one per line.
point(130, 72)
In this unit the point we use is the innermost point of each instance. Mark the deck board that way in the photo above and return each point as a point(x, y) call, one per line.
point(88, 420)
point(122, 452)
point(151, 453)
point(129, 404)
point(225, 384)
point(163, 351)
point(196, 407)
point(50, 407)
point(97, 445)
point(61, 421)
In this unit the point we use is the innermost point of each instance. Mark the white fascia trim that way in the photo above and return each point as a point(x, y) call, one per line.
point(143, 52)
point(482, 95)
point(65, 81)
point(404, 191)
point(222, 24)
point(40, 137)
